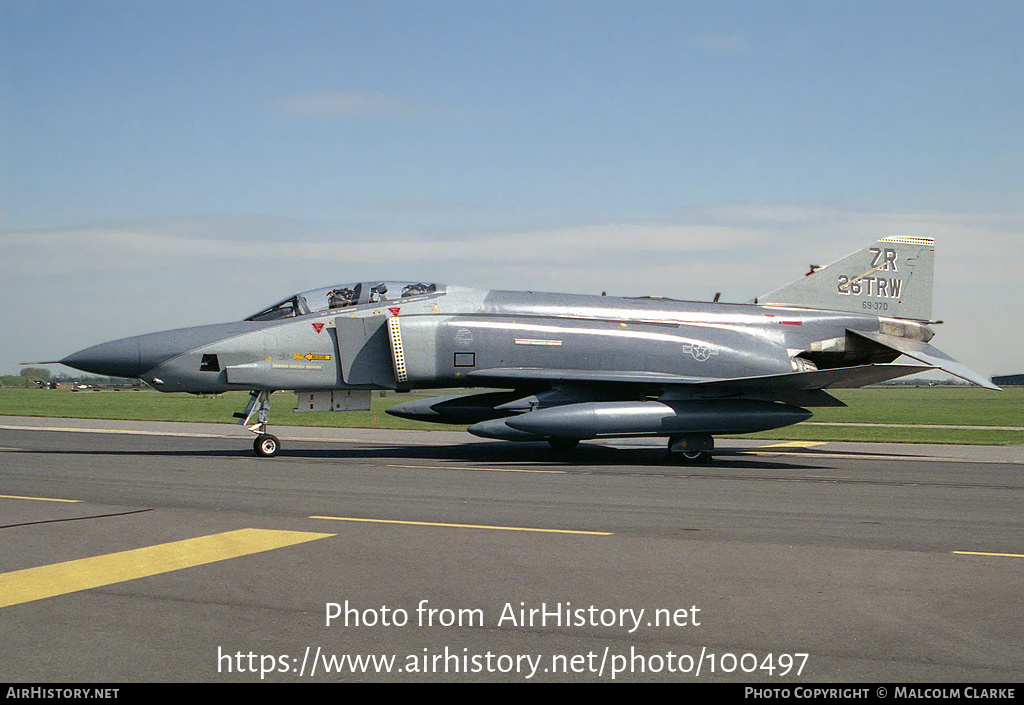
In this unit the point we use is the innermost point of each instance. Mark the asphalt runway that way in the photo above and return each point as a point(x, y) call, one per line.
point(168, 552)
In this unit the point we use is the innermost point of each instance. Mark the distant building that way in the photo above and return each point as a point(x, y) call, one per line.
point(1009, 381)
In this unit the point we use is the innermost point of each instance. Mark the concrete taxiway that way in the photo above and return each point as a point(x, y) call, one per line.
point(168, 552)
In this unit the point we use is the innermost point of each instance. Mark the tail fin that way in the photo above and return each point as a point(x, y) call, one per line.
point(892, 278)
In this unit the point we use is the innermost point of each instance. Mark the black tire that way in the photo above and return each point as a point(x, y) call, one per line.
point(266, 446)
point(691, 457)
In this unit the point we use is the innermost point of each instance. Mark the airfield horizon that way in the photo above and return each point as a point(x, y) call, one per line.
point(891, 414)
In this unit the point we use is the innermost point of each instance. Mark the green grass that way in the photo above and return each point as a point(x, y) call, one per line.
point(893, 435)
point(148, 405)
point(946, 406)
point(960, 406)
point(943, 406)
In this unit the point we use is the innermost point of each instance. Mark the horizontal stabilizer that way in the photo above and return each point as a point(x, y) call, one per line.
point(929, 355)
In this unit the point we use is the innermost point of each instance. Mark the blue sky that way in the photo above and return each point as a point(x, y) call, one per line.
point(172, 163)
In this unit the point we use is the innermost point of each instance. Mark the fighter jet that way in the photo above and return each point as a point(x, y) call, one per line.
point(567, 367)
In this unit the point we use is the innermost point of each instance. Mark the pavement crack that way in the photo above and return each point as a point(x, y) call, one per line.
point(91, 516)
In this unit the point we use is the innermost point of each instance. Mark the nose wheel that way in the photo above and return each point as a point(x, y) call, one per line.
point(266, 446)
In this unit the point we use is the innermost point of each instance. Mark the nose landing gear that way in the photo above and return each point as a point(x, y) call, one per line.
point(265, 445)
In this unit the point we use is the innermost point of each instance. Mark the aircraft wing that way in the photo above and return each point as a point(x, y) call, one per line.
point(796, 388)
point(607, 403)
point(839, 378)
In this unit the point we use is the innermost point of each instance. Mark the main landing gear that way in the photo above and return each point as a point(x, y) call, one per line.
point(265, 445)
point(690, 449)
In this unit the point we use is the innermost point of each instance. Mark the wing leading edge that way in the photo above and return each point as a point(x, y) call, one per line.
point(839, 378)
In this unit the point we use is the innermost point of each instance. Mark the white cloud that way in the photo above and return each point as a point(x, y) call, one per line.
point(141, 248)
point(116, 281)
point(733, 243)
point(341, 104)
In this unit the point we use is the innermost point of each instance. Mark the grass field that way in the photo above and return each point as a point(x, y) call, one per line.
point(916, 406)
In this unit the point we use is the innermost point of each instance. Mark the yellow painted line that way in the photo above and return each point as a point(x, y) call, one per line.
point(466, 526)
point(794, 444)
point(37, 499)
point(172, 434)
point(982, 553)
point(45, 581)
point(114, 431)
point(463, 467)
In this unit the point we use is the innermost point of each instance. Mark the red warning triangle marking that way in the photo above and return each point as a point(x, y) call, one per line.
point(318, 327)
point(394, 310)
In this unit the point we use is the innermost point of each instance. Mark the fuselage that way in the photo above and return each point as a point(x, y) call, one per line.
point(452, 336)
point(572, 367)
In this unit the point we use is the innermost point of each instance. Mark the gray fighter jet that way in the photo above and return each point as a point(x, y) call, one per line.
point(572, 367)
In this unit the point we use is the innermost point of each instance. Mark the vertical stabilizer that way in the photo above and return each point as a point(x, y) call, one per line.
point(892, 278)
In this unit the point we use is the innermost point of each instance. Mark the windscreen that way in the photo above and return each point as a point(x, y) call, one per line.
point(344, 295)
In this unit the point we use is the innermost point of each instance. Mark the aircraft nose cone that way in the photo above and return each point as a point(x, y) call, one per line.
point(119, 358)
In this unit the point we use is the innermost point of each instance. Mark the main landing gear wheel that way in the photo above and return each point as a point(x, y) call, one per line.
point(691, 449)
point(692, 457)
point(266, 446)
point(563, 445)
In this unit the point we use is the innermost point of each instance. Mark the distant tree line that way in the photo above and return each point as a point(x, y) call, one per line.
point(28, 377)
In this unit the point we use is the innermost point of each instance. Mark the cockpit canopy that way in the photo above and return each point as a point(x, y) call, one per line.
point(344, 295)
